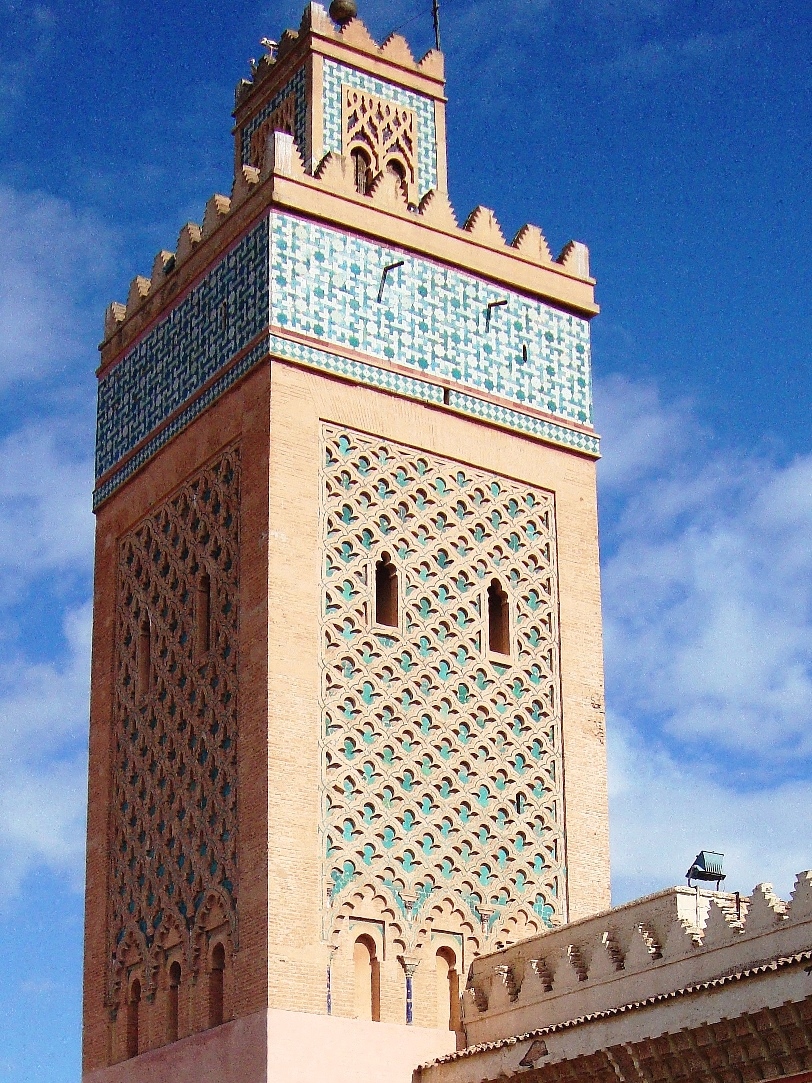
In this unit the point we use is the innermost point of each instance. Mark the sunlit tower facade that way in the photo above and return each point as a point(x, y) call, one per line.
point(347, 696)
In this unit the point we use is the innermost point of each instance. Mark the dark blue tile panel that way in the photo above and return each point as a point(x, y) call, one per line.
point(220, 316)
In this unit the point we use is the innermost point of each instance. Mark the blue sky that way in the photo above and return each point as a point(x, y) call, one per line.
point(674, 138)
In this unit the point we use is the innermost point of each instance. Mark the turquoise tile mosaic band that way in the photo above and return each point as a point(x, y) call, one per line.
point(355, 370)
point(318, 283)
point(325, 284)
point(514, 419)
point(337, 75)
point(284, 348)
point(180, 422)
point(213, 323)
point(297, 86)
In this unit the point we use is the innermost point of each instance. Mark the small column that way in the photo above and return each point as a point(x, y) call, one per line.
point(410, 965)
point(485, 915)
point(333, 949)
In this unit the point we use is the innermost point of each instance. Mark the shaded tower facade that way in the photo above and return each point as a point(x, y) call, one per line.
point(347, 692)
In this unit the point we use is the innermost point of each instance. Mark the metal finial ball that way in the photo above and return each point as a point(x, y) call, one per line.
point(342, 11)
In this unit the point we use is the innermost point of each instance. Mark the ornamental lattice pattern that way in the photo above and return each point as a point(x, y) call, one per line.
point(441, 761)
point(385, 129)
point(174, 797)
point(282, 119)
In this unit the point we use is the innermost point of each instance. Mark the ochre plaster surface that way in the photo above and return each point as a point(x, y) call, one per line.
point(287, 1047)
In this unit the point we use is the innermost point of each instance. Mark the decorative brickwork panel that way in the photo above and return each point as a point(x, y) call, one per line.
point(430, 319)
point(386, 131)
point(292, 94)
point(441, 760)
point(282, 119)
point(216, 320)
point(338, 79)
point(173, 827)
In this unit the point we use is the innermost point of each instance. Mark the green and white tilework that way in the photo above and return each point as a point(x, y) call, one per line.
point(336, 76)
point(433, 319)
point(323, 284)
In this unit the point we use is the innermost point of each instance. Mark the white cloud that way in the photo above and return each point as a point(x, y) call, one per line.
point(707, 584)
point(665, 811)
point(46, 530)
point(45, 487)
point(43, 768)
point(53, 255)
point(707, 575)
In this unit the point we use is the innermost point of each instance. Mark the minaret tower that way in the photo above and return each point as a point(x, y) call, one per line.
point(347, 693)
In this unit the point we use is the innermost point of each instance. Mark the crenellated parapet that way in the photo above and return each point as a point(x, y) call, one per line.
point(308, 269)
point(659, 947)
point(302, 84)
point(330, 194)
point(338, 249)
point(394, 51)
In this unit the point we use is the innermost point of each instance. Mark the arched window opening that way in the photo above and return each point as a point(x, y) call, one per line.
point(218, 965)
point(498, 619)
point(133, 1008)
point(203, 615)
point(144, 659)
point(172, 1003)
point(448, 990)
point(362, 171)
point(386, 592)
point(367, 970)
point(398, 169)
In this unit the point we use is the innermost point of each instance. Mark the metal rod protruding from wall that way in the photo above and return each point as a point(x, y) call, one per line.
point(491, 306)
point(436, 13)
point(389, 267)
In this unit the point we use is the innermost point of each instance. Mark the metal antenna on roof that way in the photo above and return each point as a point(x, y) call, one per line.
point(436, 12)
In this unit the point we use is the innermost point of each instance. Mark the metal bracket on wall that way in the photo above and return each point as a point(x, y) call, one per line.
point(389, 267)
point(491, 306)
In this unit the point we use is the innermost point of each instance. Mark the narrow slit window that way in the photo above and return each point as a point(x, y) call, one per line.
point(218, 965)
point(362, 171)
point(144, 659)
point(386, 592)
point(498, 619)
point(203, 615)
point(133, 1009)
point(367, 971)
point(173, 1003)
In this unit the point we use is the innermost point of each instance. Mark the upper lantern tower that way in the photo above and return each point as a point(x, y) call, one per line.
point(338, 91)
point(347, 694)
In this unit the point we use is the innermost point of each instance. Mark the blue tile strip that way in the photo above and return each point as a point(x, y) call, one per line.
point(513, 419)
point(216, 320)
point(337, 75)
point(186, 417)
point(355, 370)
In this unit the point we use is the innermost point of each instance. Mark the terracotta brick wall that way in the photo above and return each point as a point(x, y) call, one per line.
point(238, 418)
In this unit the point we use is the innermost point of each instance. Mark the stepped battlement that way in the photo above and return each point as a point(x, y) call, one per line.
point(525, 262)
point(654, 948)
